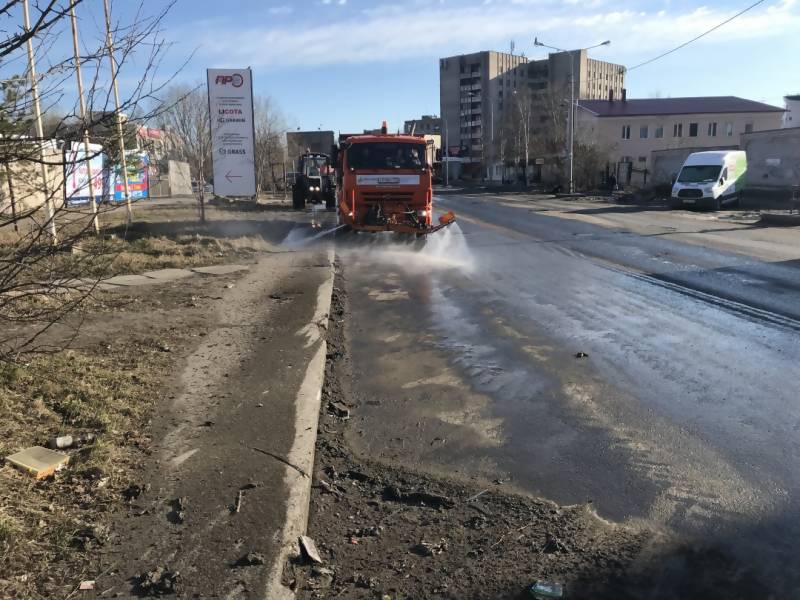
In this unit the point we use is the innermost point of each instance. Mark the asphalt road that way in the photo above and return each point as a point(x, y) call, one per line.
point(684, 414)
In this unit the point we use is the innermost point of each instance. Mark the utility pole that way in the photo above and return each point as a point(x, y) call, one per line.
point(87, 155)
point(120, 136)
point(37, 113)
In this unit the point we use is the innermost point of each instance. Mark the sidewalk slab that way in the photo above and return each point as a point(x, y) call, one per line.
point(220, 269)
point(168, 274)
point(128, 280)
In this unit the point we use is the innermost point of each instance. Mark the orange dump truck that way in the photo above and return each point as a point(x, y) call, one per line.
point(385, 184)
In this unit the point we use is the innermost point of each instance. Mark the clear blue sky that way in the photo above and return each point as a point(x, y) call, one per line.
point(348, 64)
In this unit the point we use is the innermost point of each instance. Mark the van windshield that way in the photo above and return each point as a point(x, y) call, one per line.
point(699, 173)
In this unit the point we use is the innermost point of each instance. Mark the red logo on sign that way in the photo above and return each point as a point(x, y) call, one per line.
point(236, 80)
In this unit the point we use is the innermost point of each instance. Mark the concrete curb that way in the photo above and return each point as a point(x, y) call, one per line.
point(308, 402)
point(780, 219)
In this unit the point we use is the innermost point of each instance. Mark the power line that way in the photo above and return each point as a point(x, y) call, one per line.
point(705, 33)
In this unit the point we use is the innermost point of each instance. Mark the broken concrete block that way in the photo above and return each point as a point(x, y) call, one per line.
point(310, 549)
point(37, 461)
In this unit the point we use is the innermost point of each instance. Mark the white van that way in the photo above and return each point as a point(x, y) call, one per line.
point(710, 179)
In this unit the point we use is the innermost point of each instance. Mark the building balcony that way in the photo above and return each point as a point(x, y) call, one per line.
point(475, 87)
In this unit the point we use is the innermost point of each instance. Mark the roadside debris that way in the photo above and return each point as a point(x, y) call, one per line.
point(310, 549)
point(367, 532)
point(429, 549)
point(252, 559)
point(395, 494)
point(133, 491)
point(178, 513)
point(552, 544)
point(339, 410)
point(158, 582)
point(237, 506)
point(329, 488)
point(68, 441)
point(86, 585)
point(38, 462)
point(543, 590)
point(91, 536)
point(321, 578)
point(362, 581)
point(476, 496)
point(281, 459)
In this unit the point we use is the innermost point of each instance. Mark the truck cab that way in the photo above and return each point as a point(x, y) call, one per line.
point(385, 183)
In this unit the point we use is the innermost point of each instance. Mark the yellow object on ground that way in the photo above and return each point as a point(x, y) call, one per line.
point(37, 461)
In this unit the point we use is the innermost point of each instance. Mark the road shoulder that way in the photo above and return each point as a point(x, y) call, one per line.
point(228, 476)
point(729, 231)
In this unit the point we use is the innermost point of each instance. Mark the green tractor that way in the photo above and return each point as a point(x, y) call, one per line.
point(315, 182)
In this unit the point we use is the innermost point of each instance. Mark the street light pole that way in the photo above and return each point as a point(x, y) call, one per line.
point(571, 122)
point(446, 153)
point(572, 101)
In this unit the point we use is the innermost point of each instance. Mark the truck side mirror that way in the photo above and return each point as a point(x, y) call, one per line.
point(673, 178)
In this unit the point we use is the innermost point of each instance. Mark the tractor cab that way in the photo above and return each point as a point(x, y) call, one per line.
point(314, 181)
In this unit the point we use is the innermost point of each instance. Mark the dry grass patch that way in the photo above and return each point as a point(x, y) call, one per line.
point(108, 392)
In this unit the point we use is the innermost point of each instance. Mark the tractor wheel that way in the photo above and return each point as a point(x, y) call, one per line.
point(298, 198)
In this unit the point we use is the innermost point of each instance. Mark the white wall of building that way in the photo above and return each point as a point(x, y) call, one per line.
point(791, 118)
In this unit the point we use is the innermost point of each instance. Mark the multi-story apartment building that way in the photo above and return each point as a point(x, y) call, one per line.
point(476, 91)
point(425, 125)
point(628, 131)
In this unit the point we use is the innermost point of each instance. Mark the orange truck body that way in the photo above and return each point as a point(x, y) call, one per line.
point(385, 184)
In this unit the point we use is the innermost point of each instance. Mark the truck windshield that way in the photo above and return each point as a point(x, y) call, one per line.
point(699, 173)
point(386, 155)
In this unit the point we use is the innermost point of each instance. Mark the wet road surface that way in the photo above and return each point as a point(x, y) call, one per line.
point(685, 413)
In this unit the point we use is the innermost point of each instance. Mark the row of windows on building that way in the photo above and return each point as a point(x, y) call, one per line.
point(677, 130)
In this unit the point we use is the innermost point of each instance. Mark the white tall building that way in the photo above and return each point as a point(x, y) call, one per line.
point(791, 118)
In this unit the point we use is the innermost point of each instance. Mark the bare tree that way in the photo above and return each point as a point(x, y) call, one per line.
point(43, 278)
point(270, 134)
point(524, 101)
point(183, 113)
